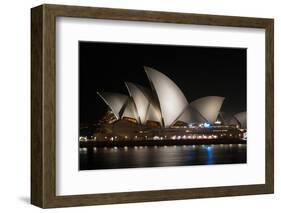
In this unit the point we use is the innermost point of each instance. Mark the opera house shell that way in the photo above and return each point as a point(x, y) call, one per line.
point(164, 103)
point(161, 113)
point(239, 119)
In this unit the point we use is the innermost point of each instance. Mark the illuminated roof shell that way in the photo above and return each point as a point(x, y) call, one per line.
point(130, 110)
point(208, 107)
point(240, 119)
point(146, 106)
point(140, 99)
point(165, 104)
point(171, 99)
point(153, 114)
point(191, 115)
point(115, 101)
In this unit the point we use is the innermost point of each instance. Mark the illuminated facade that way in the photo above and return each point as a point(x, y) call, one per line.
point(164, 103)
point(162, 112)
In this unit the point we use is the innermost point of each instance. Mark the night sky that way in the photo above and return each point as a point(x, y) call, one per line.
point(197, 71)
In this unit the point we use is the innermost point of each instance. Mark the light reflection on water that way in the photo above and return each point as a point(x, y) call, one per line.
point(159, 156)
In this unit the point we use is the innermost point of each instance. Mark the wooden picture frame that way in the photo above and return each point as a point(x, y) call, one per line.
point(43, 105)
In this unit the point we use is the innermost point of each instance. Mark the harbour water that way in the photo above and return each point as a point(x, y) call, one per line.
point(160, 156)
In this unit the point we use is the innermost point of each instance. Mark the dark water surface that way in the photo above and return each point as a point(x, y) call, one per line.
point(159, 156)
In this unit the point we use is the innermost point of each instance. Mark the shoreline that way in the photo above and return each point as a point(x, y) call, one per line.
point(91, 144)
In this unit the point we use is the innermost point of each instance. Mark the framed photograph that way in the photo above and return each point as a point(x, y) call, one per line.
point(137, 106)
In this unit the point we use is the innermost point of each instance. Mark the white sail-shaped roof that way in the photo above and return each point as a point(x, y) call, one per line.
point(147, 108)
point(191, 115)
point(208, 107)
point(115, 101)
point(171, 99)
point(240, 119)
point(153, 114)
point(130, 110)
point(140, 99)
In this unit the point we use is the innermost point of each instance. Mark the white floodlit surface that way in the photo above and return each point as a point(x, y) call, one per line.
point(172, 100)
point(241, 118)
point(191, 115)
point(153, 113)
point(140, 99)
point(71, 181)
point(208, 107)
point(115, 101)
point(130, 110)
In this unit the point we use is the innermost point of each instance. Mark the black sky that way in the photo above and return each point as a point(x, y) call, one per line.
point(198, 72)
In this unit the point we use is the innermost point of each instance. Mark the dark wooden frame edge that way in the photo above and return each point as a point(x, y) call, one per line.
point(43, 105)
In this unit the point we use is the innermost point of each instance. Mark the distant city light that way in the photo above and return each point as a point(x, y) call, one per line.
point(207, 125)
point(156, 137)
point(217, 122)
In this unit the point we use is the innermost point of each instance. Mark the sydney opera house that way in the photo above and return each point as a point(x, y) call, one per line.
point(162, 112)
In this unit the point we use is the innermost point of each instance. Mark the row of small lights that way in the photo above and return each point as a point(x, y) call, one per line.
point(156, 147)
point(165, 137)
